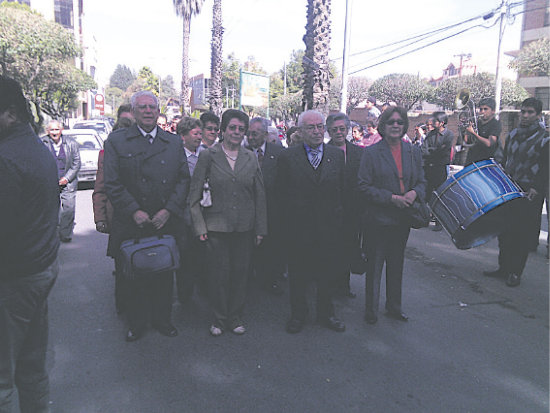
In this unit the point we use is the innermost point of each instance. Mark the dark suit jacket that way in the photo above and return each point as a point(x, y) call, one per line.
point(269, 173)
point(311, 201)
point(238, 196)
point(147, 177)
point(379, 180)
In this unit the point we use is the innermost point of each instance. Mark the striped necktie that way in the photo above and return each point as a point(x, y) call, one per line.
point(315, 159)
point(149, 138)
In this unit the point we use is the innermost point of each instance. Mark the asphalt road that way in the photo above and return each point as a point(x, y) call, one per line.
point(471, 345)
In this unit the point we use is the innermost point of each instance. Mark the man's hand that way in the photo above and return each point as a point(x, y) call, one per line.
point(532, 194)
point(141, 218)
point(470, 129)
point(410, 196)
point(160, 218)
point(63, 181)
point(400, 201)
point(259, 239)
point(203, 237)
point(101, 226)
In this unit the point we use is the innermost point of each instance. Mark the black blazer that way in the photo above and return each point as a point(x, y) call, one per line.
point(379, 180)
point(311, 200)
point(147, 177)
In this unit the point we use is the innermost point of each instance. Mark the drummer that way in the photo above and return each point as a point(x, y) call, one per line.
point(484, 141)
point(525, 159)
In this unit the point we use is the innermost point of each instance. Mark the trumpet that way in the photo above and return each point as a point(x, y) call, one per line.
point(466, 105)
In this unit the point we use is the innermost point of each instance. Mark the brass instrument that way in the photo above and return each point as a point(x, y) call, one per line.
point(466, 105)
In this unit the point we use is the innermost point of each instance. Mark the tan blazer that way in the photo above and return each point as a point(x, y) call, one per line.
point(238, 196)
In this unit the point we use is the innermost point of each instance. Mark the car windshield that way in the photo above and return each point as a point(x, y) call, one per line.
point(96, 126)
point(87, 142)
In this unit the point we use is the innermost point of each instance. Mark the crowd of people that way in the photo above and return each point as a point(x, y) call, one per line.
point(239, 205)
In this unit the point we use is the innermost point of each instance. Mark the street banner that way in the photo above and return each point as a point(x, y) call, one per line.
point(254, 89)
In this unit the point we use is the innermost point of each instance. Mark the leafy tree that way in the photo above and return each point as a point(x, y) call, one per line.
point(38, 54)
point(480, 85)
point(402, 88)
point(533, 59)
point(122, 77)
point(151, 81)
point(315, 61)
point(286, 107)
point(114, 97)
point(216, 60)
point(186, 9)
point(358, 91)
point(167, 90)
point(231, 78)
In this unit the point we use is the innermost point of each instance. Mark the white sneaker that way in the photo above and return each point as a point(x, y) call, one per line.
point(215, 331)
point(239, 330)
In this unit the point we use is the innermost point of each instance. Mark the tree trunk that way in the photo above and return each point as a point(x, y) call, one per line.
point(184, 103)
point(216, 60)
point(316, 61)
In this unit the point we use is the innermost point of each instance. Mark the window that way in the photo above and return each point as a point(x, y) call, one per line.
point(543, 94)
point(63, 10)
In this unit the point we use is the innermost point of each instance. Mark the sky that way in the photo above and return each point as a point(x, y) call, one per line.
point(140, 33)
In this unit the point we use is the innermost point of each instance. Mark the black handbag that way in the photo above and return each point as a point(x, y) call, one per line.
point(148, 256)
point(419, 214)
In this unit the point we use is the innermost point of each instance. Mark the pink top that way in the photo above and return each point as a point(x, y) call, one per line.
point(371, 139)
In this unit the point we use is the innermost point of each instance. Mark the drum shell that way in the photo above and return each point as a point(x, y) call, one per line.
point(473, 204)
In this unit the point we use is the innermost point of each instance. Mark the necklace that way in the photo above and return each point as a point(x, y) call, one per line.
point(234, 159)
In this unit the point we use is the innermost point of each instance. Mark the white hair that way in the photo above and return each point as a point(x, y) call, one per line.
point(309, 112)
point(141, 93)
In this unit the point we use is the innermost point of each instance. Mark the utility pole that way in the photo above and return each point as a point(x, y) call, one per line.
point(344, 96)
point(284, 79)
point(504, 7)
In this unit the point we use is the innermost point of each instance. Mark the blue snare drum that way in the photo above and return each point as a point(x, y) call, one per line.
point(471, 205)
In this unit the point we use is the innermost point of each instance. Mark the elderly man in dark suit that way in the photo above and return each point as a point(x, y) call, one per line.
point(267, 261)
point(338, 126)
point(310, 182)
point(147, 181)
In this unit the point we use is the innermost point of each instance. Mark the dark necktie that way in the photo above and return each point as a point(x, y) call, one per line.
point(149, 138)
point(260, 156)
point(315, 158)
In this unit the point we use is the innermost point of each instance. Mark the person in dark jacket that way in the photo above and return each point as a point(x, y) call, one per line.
point(525, 159)
point(338, 126)
point(390, 178)
point(29, 209)
point(310, 186)
point(437, 155)
point(147, 181)
point(66, 153)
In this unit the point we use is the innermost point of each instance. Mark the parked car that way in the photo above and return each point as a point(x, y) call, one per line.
point(101, 126)
point(90, 143)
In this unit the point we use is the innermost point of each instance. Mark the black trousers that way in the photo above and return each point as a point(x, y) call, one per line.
point(435, 176)
point(515, 242)
point(312, 263)
point(384, 245)
point(149, 296)
point(24, 340)
point(267, 262)
point(228, 257)
point(192, 269)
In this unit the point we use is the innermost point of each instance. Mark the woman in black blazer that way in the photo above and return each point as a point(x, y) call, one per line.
point(390, 178)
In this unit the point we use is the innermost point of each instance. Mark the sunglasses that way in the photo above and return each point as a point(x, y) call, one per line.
point(396, 121)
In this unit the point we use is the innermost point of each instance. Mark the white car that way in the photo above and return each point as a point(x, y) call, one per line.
point(90, 143)
point(103, 128)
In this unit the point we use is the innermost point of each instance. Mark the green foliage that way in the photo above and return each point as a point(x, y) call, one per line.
point(402, 88)
point(114, 97)
point(150, 80)
point(122, 77)
point(533, 59)
point(481, 85)
point(286, 107)
point(38, 54)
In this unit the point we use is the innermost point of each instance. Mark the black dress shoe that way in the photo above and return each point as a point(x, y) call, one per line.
point(294, 326)
point(397, 316)
point(132, 335)
point(371, 318)
point(167, 330)
point(335, 324)
point(495, 274)
point(513, 280)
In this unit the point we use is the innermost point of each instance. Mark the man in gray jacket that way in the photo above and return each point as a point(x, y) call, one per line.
point(67, 158)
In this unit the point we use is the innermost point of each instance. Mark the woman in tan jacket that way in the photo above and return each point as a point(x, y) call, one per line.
point(236, 220)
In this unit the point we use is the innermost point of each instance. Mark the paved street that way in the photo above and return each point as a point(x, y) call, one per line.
point(471, 344)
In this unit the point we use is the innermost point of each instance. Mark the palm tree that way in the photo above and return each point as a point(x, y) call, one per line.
point(316, 61)
point(186, 9)
point(216, 60)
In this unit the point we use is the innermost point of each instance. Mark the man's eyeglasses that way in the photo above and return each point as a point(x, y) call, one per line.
point(143, 107)
point(311, 128)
